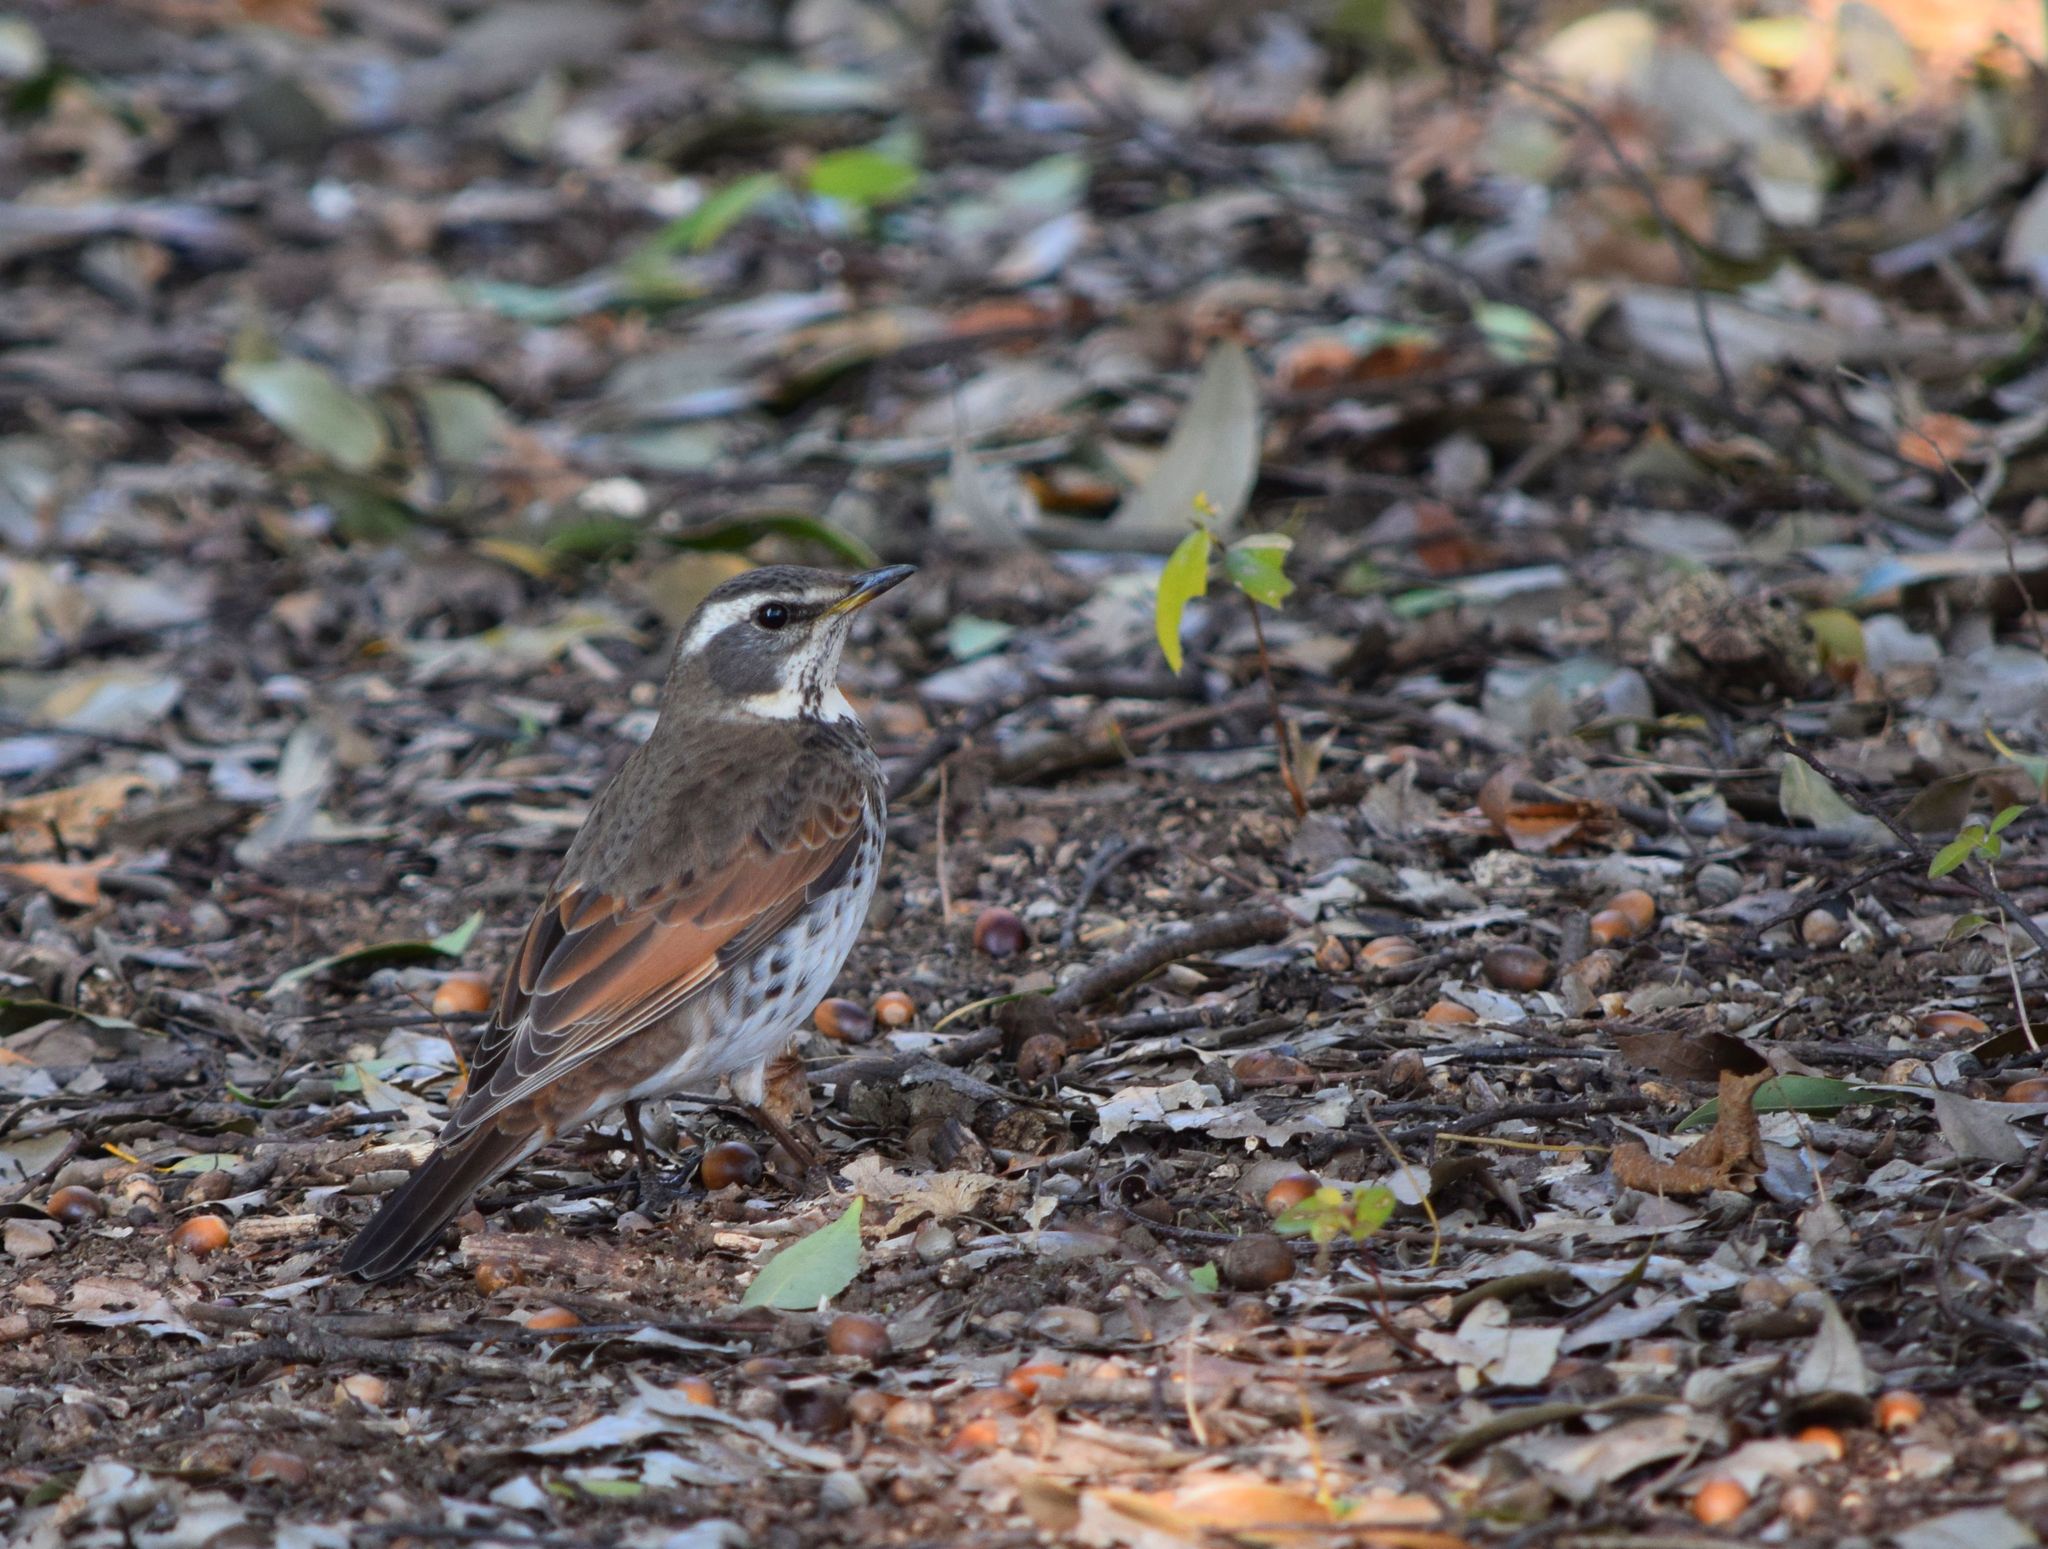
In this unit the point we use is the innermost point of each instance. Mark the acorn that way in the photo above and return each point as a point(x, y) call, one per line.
point(553, 1320)
point(1516, 968)
point(1827, 1438)
point(895, 1009)
point(1290, 1191)
point(1719, 1502)
point(462, 994)
point(200, 1236)
point(285, 1468)
point(1256, 1263)
point(846, 1020)
point(366, 1388)
point(1388, 952)
point(1821, 929)
point(1025, 1380)
point(973, 1438)
point(1898, 1411)
point(1450, 1013)
point(855, 1334)
point(697, 1390)
point(730, 1163)
point(1609, 927)
point(1332, 956)
point(2031, 1089)
point(1947, 1023)
point(495, 1275)
point(1000, 933)
point(75, 1205)
point(1269, 1067)
point(1635, 906)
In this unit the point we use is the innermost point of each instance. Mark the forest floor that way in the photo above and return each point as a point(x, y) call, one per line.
point(1578, 1084)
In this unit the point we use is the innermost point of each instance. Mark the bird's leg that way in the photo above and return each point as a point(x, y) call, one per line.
point(801, 1151)
point(649, 1191)
point(642, 1163)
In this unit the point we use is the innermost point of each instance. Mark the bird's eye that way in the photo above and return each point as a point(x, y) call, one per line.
point(771, 615)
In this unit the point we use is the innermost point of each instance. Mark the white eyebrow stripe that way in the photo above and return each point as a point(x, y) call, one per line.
point(719, 616)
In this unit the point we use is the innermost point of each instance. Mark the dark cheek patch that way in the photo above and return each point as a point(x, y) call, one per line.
point(743, 661)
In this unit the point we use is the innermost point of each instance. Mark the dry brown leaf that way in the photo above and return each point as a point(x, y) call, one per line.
point(1937, 440)
point(1538, 826)
point(74, 883)
point(76, 814)
point(1242, 1509)
point(1729, 1156)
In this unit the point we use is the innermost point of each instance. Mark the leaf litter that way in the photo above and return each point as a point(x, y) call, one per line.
point(1588, 409)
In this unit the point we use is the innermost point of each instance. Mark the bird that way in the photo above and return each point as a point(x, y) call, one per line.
point(702, 911)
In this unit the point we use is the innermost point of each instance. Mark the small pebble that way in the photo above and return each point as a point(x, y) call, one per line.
point(841, 1490)
point(1715, 884)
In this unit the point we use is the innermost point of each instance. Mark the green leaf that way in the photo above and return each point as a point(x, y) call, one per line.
point(208, 1162)
point(2004, 819)
point(1794, 1094)
point(611, 1489)
point(18, 1015)
point(1370, 1210)
point(456, 942)
point(969, 636)
point(1422, 601)
point(1256, 566)
point(1965, 924)
point(364, 511)
point(812, 1269)
point(1203, 1277)
point(464, 421)
point(541, 304)
point(746, 531)
point(1805, 797)
point(1513, 334)
point(862, 176)
point(2035, 766)
point(1185, 578)
point(309, 404)
point(1956, 851)
point(388, 954)
point(1837, 636)
point(717, 215)
point(1320, 1217)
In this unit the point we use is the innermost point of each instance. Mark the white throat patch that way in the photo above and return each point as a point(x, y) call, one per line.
point(791, 702)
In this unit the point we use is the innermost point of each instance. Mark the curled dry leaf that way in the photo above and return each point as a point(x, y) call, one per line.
point(1729, 1156)
point(1539, 827)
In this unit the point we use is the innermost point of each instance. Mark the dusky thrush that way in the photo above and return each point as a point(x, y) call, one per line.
point(702, 912)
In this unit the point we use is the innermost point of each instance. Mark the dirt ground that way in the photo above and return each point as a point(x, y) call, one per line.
point(1603, 1109)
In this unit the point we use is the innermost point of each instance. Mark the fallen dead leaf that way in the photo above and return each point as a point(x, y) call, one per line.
point(75, 815)
point(72, 883)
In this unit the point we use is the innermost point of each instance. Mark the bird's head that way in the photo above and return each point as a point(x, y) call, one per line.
point(767, 642)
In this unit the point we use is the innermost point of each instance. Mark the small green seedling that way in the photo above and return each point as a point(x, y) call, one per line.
point(1974, 841)
point(1256, 564)
point(1328, 1214)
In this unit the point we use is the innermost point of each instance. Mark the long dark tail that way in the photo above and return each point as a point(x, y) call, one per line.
point(410, 1220)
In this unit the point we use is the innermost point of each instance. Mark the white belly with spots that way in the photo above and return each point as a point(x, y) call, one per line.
point(749, 1016)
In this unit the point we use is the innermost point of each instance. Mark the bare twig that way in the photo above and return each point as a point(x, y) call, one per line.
point(1284, 742)
point(1219, 933)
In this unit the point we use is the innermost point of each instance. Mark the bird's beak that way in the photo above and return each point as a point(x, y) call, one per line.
point(870, 585)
